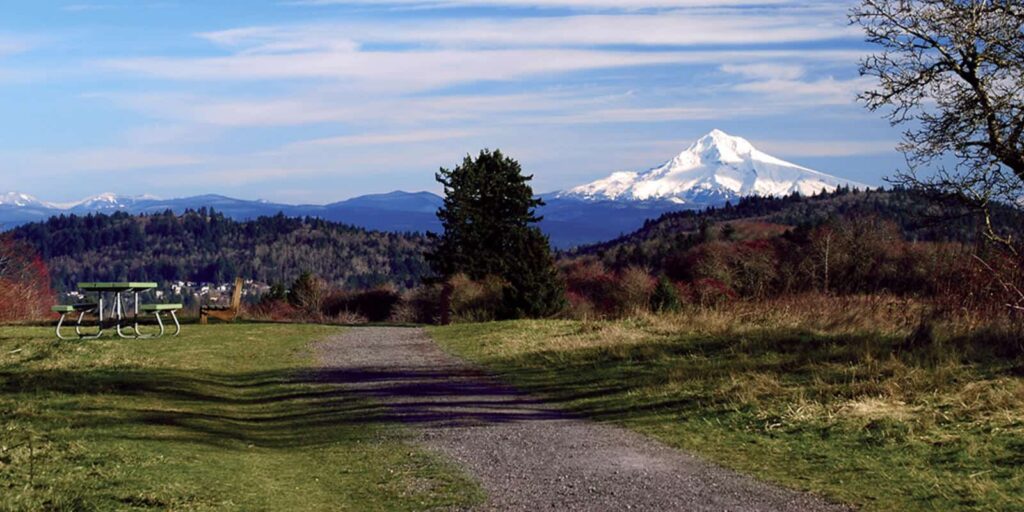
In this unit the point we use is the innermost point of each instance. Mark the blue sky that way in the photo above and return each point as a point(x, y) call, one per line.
point(320, 100)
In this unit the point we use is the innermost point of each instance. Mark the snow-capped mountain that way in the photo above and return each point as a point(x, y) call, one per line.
point(21, 200)
point(716, 168)
point(107, 201)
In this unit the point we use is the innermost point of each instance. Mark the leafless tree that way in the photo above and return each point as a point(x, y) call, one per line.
point(952, 73)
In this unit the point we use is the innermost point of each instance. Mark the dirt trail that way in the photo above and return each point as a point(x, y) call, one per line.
point(525, 454)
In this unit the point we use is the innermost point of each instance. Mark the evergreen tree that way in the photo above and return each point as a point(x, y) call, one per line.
point(490, 229)
point(535, 289)
point(307, 293)
point(665, 297)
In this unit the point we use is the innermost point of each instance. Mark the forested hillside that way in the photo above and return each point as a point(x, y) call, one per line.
point(204, 246)
point(917, 217)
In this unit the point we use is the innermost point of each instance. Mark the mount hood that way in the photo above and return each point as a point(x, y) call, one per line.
point(716, 168)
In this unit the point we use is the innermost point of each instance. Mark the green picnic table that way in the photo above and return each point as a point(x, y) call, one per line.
point(119, 316)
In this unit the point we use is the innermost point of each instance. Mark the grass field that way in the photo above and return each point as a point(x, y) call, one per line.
point(225, 417)
point(861, 411)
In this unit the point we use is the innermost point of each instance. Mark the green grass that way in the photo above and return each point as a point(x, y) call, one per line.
point(853, 415)
point(226, 417)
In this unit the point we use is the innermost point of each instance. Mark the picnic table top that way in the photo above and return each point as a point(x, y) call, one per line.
point(116, 287)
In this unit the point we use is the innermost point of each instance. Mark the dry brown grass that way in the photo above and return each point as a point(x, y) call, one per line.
point(879, 314)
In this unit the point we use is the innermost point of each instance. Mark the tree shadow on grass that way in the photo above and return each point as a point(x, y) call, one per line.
point(314, 406)
point(690, 376)
point(273, 409)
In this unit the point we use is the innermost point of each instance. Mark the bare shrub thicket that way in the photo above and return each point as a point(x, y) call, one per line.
point(475, 301)
point(425, 305)
point(25, 291)
point(373, 305)
point(274, 310)
point(634, 290)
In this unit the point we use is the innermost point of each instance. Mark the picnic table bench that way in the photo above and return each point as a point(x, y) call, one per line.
point(126, 326)
point(225, 312)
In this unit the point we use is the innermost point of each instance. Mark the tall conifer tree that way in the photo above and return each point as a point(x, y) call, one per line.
point(489, 219)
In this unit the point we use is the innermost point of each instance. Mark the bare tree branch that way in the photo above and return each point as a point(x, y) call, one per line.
point(952, 72)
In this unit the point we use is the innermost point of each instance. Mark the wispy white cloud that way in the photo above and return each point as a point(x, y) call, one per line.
point(662, 29)
point(824, 91)
point(372, 139)
point(312, 107)
point(11, 45)
point(767, 71)
point(233, 176)
point(789, 83)
point(441, 53)
point(112, 159)
point(170, 134)
point(825, 148)
point(388, 71)
point(692, 112)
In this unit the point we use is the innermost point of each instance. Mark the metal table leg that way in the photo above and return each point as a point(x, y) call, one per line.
point(119, 308)
point(99, 322)
point(160, 321)
point(138, 332)
point(60, 323)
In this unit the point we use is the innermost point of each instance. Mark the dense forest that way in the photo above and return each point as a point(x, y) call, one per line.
point(204, 246)
point(918, 218)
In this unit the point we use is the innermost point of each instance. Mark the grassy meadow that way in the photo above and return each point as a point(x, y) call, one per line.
point(226, 417)
point(851, 398)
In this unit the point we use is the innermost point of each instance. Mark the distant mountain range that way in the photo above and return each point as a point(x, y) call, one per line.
point(395, 211)
point(715, 169)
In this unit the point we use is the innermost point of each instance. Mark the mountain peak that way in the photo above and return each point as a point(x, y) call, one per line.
point(715, 168)
point(19, 199)
point(107, 201)
point(105, 197)
point(717, 139)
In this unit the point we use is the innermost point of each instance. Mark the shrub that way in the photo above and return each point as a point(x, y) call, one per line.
point(581, 307)
point(665, 297)
point(685, 292)
point(308, 294)
point(988, 282)
point(423, 305)
point(592, 286)
point(475, 301)
point(750, 267)
point(25, 292)
point(376, 305)
point(277, 292)
point(712, 292)
point(404, 312)
point(274, 311)
point(855, 255)
point(349, 318)
point(755, 267)
point(635, 287)
point(335, 303)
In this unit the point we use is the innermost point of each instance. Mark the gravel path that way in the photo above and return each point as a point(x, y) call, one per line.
point(526, 455)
